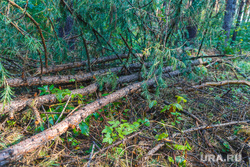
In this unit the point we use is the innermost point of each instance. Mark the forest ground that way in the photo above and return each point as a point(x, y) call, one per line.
point(155, 143)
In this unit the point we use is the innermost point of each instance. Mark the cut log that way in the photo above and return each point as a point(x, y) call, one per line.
point(62, 67)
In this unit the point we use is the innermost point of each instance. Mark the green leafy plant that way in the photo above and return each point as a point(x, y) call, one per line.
point(84, 128)
point(45, 90)
point(108, 79)
point(174, 108)
point(119, 130)
point(180, 160)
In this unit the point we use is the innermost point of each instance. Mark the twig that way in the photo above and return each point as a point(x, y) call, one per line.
point(80, 105)
point(211, 126)
point(87, 51)
point(26, 5)
point(221, 83)
point(91, 154)
point(33, 106)
point(53, 113)
point(64, 108)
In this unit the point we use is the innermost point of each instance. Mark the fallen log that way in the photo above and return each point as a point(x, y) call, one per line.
point(62, 67)
point(18, 150)
point(48, 80)
point(18, 105)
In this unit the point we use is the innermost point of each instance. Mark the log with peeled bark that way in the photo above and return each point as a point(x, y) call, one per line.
point(62, 67)
point(18, 150)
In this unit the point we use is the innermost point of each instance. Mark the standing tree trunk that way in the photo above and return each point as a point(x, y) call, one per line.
point(66, 27)
point(246, 11)
point(238, 20)
point(228, 18)
point(191, 28)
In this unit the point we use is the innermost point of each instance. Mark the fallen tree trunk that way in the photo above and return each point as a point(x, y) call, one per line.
point(28, 145)
point(62, 67)
point(48, 80)
point(18, 105)
point(16, 151)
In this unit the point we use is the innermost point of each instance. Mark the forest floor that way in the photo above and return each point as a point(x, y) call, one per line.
point(166, 137)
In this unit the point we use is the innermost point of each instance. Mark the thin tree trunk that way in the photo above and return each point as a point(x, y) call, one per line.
point(238, 20)
point(246, 11)
point(228, 18)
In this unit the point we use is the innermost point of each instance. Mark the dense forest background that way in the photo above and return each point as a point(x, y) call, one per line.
point(124, 82)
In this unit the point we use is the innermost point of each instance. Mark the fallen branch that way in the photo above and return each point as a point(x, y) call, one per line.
point(221, 83)
point(211, 126)
point(161, 144)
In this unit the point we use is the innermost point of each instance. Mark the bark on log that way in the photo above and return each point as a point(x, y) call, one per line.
point(18, 105)
point(62, 67)
point(17, 151)
point(47, 80)
point(28, 145)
